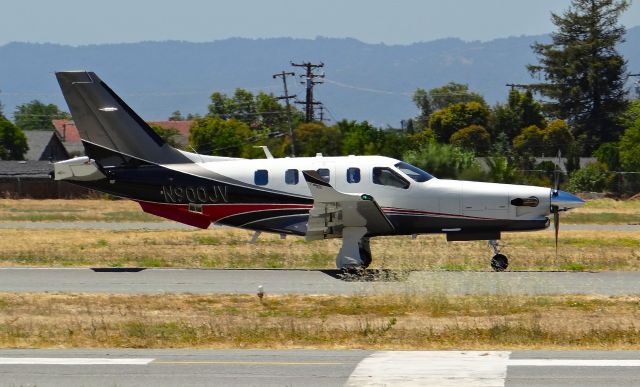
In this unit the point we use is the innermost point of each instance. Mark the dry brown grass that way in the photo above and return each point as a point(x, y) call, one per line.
point(230, 248)
point(605, 211)
point(384, 321)
point(73, 210)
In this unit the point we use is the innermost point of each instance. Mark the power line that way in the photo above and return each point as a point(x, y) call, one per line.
point(309, 81)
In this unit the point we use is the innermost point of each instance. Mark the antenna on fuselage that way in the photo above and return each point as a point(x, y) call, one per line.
point(196, 152)
point(266, 150)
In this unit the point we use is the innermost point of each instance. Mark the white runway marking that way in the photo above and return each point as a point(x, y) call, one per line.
point(73, 361)
point(432, 368)
point(573, 363)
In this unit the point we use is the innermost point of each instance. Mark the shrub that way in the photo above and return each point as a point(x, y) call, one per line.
point(593, 178)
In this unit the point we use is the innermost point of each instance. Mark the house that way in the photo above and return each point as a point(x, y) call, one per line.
point(70, 137)
point(45, 145)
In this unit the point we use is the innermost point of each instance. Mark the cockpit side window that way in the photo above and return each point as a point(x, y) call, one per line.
point(415, 173)
point(387, 176)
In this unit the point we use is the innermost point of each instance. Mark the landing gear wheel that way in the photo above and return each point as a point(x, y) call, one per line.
point(365, 252)
point(499, 262)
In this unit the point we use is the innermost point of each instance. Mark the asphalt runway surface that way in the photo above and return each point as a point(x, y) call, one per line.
point(170, 367)
point(279, 281)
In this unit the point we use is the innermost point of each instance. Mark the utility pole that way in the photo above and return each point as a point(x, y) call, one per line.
point(321, 107)
point(286, 98)
point(309, 81)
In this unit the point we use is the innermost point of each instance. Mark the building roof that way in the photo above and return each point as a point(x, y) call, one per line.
point(12, 168)
point(37, 140)
point(68, 131)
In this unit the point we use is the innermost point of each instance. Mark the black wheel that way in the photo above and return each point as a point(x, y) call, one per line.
point(499, 262)
point(365, 252)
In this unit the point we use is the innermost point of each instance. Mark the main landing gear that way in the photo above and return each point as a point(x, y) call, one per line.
point(499, 262)
point(355, 252)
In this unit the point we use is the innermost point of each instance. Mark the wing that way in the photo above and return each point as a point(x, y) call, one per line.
point(333, 211)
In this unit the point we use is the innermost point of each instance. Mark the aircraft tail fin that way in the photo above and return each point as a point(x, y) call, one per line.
point(105, 120)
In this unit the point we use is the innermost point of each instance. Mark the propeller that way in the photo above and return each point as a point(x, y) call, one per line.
point(555, 210)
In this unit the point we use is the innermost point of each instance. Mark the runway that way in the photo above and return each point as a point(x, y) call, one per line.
point(203, 281)
point(170, 367)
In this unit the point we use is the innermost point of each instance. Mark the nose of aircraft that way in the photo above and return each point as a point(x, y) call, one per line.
point(565, 201)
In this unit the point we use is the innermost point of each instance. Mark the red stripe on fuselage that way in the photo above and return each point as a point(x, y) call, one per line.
point(211, 213)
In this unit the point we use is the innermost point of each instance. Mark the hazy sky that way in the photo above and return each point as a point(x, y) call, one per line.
point(79, 22)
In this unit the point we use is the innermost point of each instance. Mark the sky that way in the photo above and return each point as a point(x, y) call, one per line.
point(80, 22)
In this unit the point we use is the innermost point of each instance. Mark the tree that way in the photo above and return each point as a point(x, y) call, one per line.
point(453, 93)
point(457, 116)
point(630, 147)
point(359, 138)
point(315, 137)
point(474, 138)
point(176, 116)
point(584, 73)
point(502, 170)
point(520, 111)
point(36, 115)
point(167, 134)
point(530, 142)
point(558, 137)
point(13, 142)
point(215, 136)
point(260, 112)
point(439, 98)
point(393, 143)
point(441, 160)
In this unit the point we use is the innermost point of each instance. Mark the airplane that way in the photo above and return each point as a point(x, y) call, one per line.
point(354, 198)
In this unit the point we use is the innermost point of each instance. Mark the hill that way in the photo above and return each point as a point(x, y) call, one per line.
point(363, 81)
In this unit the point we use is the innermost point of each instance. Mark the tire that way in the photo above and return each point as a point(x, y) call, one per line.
point(499, 262)
point(365, 252)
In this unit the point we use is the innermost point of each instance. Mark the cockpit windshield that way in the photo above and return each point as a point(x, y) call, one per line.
point(415, 173)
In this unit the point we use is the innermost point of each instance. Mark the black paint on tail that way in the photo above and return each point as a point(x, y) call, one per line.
point(102, 118)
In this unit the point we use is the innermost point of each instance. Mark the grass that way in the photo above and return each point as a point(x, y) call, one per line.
point(28, 210)
point(602, 211)
point(406, 321)
point(230, 248)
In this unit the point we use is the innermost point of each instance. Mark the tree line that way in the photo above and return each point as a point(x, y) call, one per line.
point(578, 106)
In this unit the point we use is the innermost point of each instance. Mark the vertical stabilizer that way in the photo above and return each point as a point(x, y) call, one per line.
point(103, 119)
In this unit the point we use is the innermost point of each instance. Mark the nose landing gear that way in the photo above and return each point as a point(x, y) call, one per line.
point(499, 262)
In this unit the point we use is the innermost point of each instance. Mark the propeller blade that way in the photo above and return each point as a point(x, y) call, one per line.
point(556, 225)
point(556, 174)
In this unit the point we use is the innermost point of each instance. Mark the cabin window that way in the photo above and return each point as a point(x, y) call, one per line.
point(353, 175)
point(415, 173)
point(291, 176)
point(261, 177)
point(324, 174)
point(388, 177)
